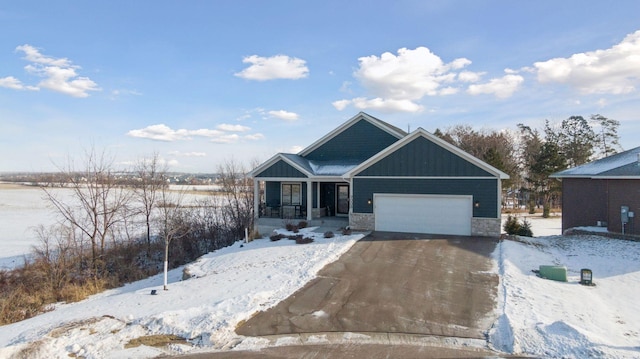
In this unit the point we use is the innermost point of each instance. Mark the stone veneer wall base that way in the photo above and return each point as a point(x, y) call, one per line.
point(362, 221)
point(486, 227)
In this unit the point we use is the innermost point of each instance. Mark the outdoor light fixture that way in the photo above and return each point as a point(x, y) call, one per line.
point(476, 204)
point(369, 201)
point(586, 276)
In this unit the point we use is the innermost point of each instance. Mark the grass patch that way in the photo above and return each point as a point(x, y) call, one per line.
point(156, 341)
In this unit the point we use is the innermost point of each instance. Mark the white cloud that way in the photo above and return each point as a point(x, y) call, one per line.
point(162, 132)
point(284, 115)
point(275, 67)
point(187, 154)
point(232, 128)
point(226, 138)
point(295, 149)
point(502, 87)
point(396, 82)
point(380, 104)
point(410, 75)
point(469, 76)
point(254, 136)
point(614, 70)
point(602, 102)
point(32, 54)
point(118, 93)
point(15, 84)
point(59, 74)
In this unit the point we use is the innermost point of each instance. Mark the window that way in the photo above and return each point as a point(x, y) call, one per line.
point(290, 194)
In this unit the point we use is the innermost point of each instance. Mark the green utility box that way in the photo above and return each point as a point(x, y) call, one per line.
point(558, 273)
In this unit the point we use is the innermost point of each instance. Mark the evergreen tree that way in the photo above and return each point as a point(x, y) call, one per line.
point(546, 162)
point(576, 140)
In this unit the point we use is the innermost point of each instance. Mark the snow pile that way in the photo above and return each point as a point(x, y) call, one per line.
point(568, 320)
point(227, 286)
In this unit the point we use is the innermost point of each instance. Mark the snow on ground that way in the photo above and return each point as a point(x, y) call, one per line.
point(566, 319)
point(229, 285)
point(541, 227)
point(536, 316)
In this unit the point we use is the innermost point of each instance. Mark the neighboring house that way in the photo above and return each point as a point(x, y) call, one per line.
point(603, 193)
point(382, 178)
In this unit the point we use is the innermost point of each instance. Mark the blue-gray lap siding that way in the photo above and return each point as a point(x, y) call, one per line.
point(484, 191)
point(359, 142)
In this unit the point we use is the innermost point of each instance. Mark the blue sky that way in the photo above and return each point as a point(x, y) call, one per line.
point(202, 82)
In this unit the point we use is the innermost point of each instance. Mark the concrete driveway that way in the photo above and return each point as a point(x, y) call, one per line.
point(394, 283)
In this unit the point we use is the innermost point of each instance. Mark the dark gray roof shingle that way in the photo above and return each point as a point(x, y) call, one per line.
point(623, 164)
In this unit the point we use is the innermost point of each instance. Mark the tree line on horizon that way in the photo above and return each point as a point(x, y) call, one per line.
point(529, 156)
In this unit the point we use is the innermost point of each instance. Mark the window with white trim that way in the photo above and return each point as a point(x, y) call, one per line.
point(291, 194)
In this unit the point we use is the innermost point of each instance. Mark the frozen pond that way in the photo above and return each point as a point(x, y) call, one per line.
point(24, 208)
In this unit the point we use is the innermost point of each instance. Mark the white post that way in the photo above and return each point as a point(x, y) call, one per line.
point(166, 263)
point(246, 235)
point(256, 200)
point(309, 200)
point(166, 269)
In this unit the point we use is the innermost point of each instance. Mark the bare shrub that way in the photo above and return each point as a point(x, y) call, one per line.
point(304, 240)
point(328, 234)
point(276, 237)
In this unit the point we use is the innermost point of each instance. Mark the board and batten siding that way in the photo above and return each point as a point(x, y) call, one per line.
point(358, 142)
point(483, 190)
point(281, 169)
point(421, 157)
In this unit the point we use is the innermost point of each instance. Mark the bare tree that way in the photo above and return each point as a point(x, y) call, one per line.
point(97, 202)
point(237, 189)
point(151, 180)
point(173, 224)
point(607, 141)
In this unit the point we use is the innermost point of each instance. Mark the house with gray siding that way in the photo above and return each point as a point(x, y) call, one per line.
point(379, 177)
point(604, 193)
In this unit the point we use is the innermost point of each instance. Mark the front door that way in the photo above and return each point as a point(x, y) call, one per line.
point(342, 199)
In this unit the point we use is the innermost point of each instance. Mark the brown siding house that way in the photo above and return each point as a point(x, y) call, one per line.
point(603, 193)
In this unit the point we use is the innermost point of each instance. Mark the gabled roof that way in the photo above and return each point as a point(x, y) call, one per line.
point(392, 130)
point(420, 132)
point(290, 159)
point(308, 167)
point(621, 165)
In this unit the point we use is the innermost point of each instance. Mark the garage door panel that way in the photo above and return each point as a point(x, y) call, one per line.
point(438, 214)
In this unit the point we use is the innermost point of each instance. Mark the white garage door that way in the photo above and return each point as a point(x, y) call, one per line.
point(414, 213)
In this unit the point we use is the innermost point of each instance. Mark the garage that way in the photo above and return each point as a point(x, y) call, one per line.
point(414, 213)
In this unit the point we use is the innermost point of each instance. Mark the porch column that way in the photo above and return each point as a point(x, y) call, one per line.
point(318, 198)
point(256, 201)
point(309, 200)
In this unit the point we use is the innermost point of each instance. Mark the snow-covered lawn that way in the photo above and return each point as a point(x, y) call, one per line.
point(535, 316)
point(229, 285)
point(567, 320)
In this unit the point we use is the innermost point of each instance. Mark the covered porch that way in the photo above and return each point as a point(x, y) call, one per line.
point(298, 198)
